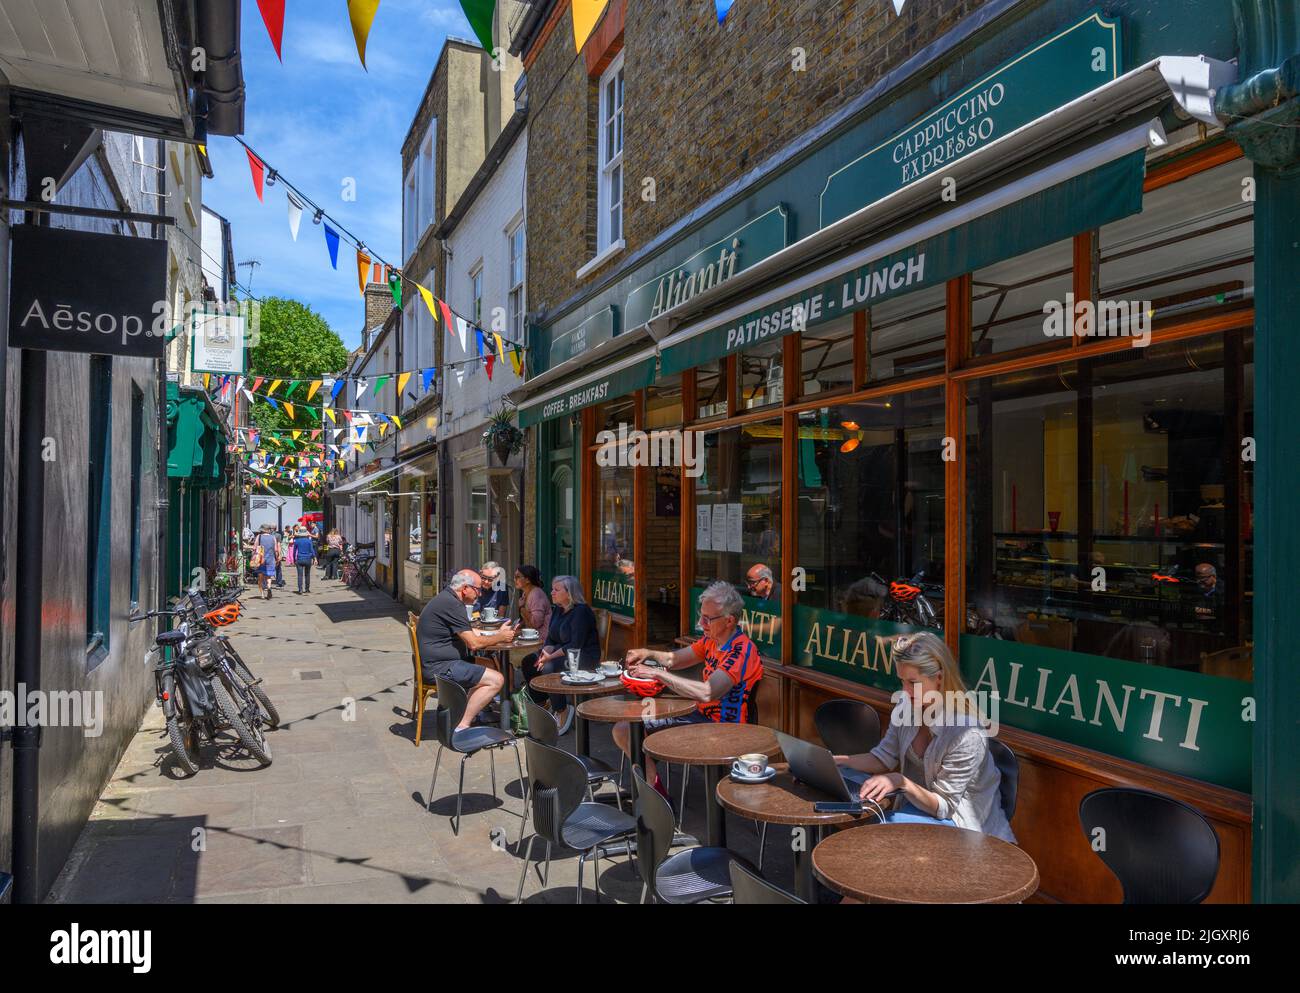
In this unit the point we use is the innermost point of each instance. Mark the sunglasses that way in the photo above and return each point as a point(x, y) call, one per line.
point(706, 619)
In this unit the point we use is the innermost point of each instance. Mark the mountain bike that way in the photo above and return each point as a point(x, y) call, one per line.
point(905, 602)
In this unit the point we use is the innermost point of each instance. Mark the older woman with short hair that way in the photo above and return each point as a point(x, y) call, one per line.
point(934, 752)
point(573, 628)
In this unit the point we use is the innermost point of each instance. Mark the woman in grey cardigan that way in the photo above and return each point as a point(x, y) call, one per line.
point(934, 750)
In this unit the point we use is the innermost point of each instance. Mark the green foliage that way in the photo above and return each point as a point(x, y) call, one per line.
point(294, 343)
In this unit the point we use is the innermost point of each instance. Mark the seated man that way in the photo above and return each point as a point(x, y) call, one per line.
point(448, 640)
point(732, 670)
point(493, 589)
point(759, 581)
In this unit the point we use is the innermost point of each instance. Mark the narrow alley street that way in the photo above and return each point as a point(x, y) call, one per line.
point(339, 815)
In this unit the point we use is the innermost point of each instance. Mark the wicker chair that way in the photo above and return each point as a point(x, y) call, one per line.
point(422, 690)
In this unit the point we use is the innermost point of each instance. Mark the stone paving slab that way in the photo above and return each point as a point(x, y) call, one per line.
point(340, 814)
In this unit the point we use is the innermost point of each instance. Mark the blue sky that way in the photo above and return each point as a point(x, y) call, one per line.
point(318, 119)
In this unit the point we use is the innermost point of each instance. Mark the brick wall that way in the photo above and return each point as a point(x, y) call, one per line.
point(705, 104)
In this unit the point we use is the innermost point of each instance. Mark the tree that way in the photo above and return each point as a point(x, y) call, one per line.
point(294, 342)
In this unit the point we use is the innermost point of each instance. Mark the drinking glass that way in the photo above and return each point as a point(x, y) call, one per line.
point(573, 657)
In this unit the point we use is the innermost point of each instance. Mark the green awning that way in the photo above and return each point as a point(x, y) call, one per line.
point(1025, 224)
point(621, 378)
point(197, 439)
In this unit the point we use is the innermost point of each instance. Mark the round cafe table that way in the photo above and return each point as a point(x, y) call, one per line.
point(924, 863)
point(785, 800)
point(634, 710)
point(553, 682)
point(714, 746)
point(508, 656)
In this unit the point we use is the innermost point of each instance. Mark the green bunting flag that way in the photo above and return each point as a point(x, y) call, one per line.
point(480, 14)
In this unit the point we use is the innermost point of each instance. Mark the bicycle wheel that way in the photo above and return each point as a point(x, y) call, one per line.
point(184, 742)
point(270, 715)
point(250, 736)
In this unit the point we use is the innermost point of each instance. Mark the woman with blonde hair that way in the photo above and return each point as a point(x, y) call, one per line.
point(934, 753)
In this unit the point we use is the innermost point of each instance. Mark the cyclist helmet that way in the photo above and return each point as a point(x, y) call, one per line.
point(903, 592)
point(223, 615)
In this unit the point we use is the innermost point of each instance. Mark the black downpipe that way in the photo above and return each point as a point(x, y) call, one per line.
point(223, 81)
point(30, 547)
point(163, 499)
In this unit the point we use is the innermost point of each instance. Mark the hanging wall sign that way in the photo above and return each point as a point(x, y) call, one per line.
point(73, 291)
point(1062, 68)
point(218, 343)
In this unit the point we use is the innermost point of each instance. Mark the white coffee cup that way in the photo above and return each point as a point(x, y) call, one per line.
point(528, 634)
point(489, 613)
point(752, 765)
point(610, 668)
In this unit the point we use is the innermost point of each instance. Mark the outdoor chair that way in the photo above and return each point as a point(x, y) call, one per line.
point(750, 889)
point(1009, 766)
point(1160, 849)
point(542, 727)
point(452, 701)
point(560, 818)
point(691, 876)
point(422, 690)
point(848, 727)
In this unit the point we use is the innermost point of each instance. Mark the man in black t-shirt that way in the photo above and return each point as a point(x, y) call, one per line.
point(448, 639)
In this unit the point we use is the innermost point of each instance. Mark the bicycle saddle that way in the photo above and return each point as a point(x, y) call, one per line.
point(170, 638)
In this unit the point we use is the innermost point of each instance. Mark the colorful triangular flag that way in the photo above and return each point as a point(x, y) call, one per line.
point(259, 172)
point(724, 8)
point(273, 18)
point(332, 241)
point(362, 15)
point(363, 270)
point(586, 15)
point(402, 380)
point(295, 214)
point(427, 377)
point(479, 14)
point(428, 300)
point(315, 385)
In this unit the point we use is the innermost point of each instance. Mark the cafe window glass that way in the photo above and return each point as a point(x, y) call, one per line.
point(827, 356)
point(871, 506)
point(1189, 252)
point(711, 389)
point(1112, 510)
point(761, 375)
point(663, 404)
point(738, 522)
point(476, 517)
point(1007, 299)
point(614, 576)
point(905, 335)
point(611, 414)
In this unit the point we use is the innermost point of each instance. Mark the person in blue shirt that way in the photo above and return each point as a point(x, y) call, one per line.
point(304, 556)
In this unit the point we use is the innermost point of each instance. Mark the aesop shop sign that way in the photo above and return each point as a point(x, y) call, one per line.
point(73, 291)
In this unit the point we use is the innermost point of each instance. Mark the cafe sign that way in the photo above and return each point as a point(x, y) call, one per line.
point(594, 330)
point(1054, 72)
point(76, 291)
point(589, 391)
point(613, 591)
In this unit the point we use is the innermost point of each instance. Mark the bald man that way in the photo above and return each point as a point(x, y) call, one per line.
point(448, 642)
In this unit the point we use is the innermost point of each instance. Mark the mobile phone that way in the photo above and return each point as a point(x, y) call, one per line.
point(836, 807)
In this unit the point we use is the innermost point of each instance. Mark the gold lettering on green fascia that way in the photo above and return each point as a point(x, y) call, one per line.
point(860, 649)
point(1109, 704)
point(612, 591)
point(761, 626)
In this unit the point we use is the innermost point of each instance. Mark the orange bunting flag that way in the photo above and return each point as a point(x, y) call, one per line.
point(362, 15)
point(289, 407)
point(257, 383)
point(315, 385)
point(402, 380)
point(363, 270)
point(586, 15)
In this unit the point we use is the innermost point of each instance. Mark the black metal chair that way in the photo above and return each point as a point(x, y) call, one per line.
point(452, 701)
point(848, 727)
point(562, 819)
point(1160, 849)
point(690, 876)
point(749, 888)
point(543, 727)
point(1009, 766)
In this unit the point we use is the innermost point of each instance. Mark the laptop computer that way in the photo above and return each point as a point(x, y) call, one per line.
point(815, 766)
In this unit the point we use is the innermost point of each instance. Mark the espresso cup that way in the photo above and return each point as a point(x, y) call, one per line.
point(489, 613)
point(751, 765)
point(610, 668)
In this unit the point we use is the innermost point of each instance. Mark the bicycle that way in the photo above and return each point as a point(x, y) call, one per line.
point(905, 602)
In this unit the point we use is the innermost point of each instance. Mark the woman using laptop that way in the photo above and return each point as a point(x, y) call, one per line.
point(934, 752)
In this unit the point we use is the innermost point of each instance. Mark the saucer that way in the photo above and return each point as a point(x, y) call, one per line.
point(754, 779)
point(582, 678)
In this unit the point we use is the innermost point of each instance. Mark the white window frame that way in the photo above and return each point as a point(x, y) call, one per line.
point(515, 295)
point(410, 201)
point(428, 178)
point(476, 283)
point(610, 162)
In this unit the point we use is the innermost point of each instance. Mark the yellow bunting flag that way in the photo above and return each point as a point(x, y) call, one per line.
point(402, 380)
point(330, 412)
point(362, 15)
point(501, 348)
point(273, 387)
point(315, 385)
point(396, 420)
point(295, 435)
point(206, 378)
point(428, 301)
point(382, 428)
point(289, 407)
point(586, 15)
point(363, 269)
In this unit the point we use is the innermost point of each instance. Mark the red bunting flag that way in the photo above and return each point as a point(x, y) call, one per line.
point(259, 171)
point(489, 360)
point(446, 314)
point(273, 18)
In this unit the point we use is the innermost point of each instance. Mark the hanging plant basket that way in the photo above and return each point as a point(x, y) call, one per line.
point(502, 437)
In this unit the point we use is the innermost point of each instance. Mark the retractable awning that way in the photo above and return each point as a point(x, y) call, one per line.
point(617, 379)
point(1024, 194)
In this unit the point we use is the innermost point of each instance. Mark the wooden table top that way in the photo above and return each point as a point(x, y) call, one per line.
point(924, 863)
point(611, 710)
point(552, 682)
point(710, 744)
point(514, 648)
point(780, 800)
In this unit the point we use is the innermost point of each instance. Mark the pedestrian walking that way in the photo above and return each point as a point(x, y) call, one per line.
point(280, 539)
point(304, 556)
point(266, 559)
point(333, 551)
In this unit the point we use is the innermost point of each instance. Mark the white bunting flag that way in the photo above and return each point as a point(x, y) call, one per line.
point(295, 215)
point(462, 332)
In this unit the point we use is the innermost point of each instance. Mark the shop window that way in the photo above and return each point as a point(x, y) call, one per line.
point(761, 375)
point(1190, 251)
point(663, 404)
point(711, 389)
point(905, 336)
point(614, 576)
point(1008, 299)
point(558, 499)
point(99, 514)
point(871, 507)
point(611, 414)
point(476, 517)
point(738, 523)
point(1111, 508)
point(827, 357)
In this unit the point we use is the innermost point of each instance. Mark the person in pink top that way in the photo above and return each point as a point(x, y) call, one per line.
point(534, 604)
